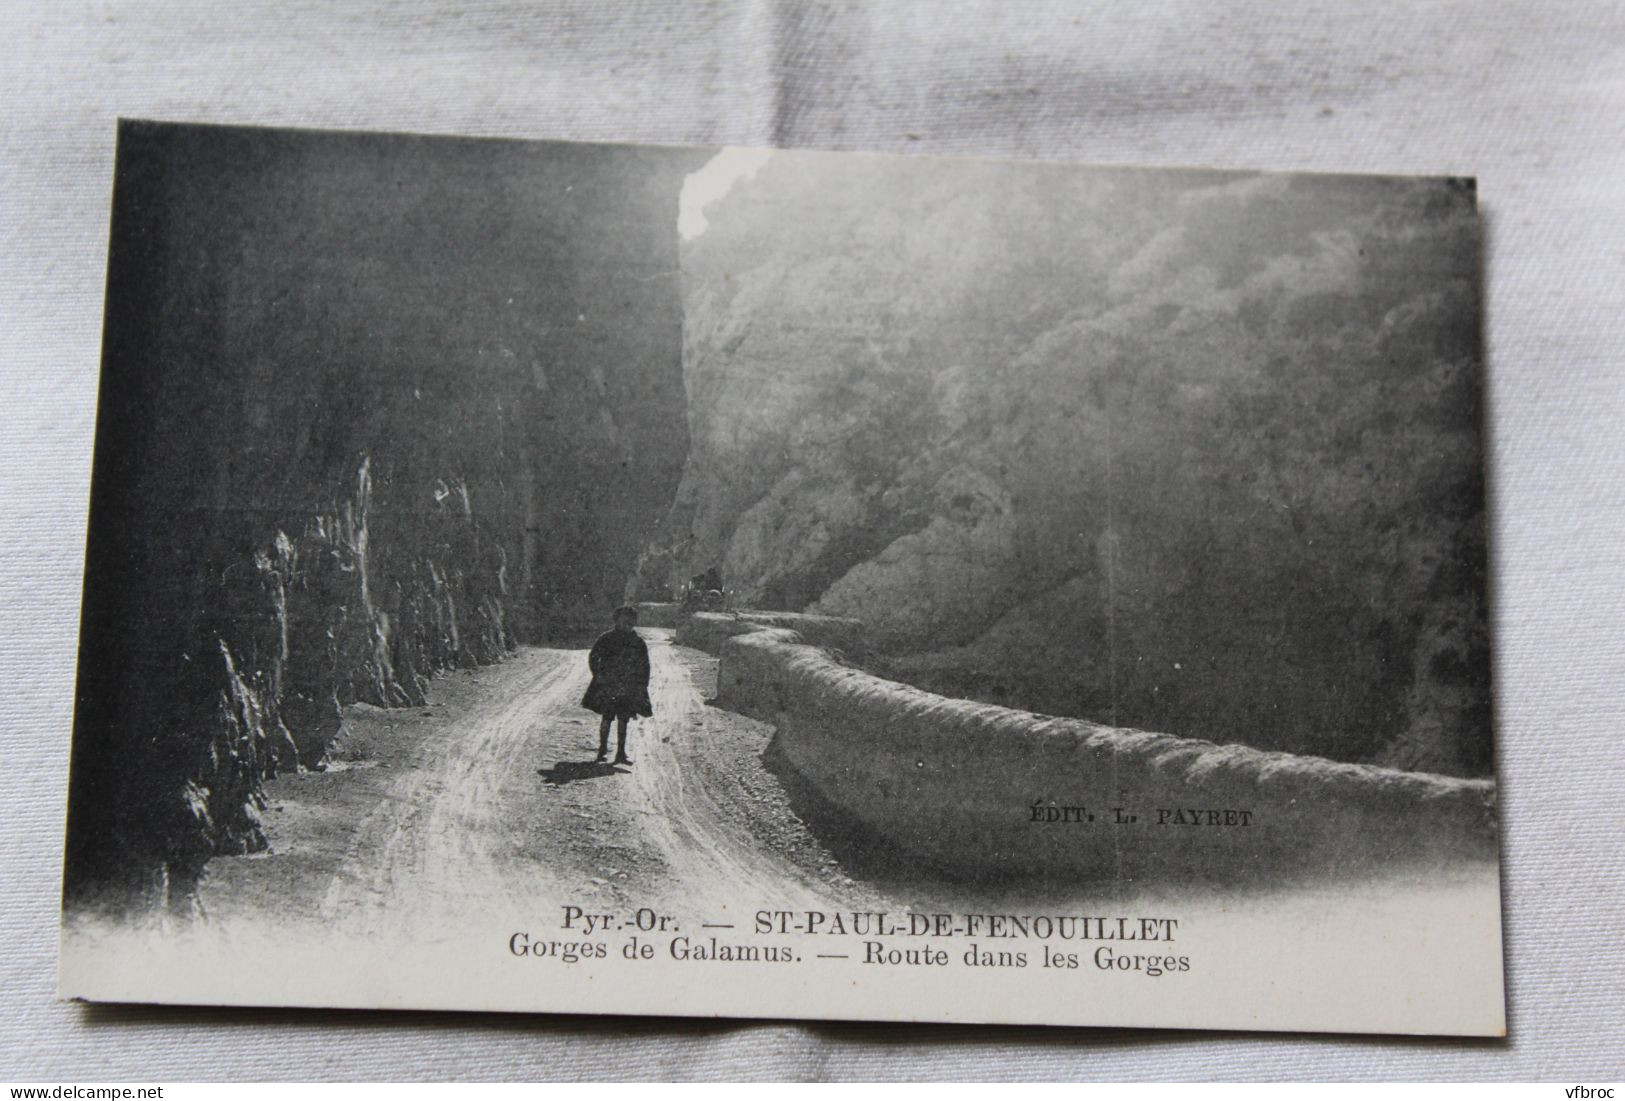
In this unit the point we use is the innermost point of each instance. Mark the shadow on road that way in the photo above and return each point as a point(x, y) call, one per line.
point(566, 772)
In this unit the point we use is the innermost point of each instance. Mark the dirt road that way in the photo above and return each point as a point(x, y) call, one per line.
point(488, 802)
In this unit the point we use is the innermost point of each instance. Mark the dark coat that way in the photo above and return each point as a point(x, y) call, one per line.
point(619, 661)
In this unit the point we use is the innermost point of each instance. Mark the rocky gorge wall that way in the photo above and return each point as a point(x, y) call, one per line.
point(1190, 451)
point(371, 407)
point(979, 790)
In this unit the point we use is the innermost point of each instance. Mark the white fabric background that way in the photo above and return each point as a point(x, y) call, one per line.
point(1530, 97)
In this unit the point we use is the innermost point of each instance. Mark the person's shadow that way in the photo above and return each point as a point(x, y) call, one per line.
point(566, 772)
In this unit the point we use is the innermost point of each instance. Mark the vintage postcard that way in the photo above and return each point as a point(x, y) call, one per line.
point(759, 583)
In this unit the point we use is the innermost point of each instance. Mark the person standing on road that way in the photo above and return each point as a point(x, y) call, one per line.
point(619, 691)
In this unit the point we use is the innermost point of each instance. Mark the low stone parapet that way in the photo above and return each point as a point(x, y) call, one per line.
point(981, 789)
point(651, 614)
point(709, 630)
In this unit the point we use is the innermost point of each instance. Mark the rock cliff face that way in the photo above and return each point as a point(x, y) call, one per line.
point(1195, 452)
point(370, 407)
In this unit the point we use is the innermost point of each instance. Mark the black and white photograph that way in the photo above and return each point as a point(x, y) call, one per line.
point(770, 583)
